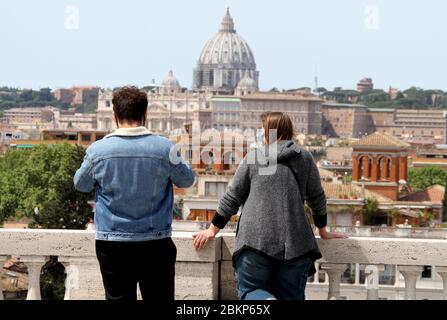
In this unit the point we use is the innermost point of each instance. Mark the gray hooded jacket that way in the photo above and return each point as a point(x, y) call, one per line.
point(273, 221)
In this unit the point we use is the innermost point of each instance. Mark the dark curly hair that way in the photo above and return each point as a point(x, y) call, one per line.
point(130, 104)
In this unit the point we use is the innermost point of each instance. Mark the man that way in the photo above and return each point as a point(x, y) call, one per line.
point(133, 172)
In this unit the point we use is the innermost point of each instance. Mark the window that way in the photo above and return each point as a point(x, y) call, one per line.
point(108, 104)
point(85, 137)
point(99, 137)
point(215, 189)
point(211, 78)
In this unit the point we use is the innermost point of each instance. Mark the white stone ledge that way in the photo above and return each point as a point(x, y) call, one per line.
point(394, 251)
point(80, 243)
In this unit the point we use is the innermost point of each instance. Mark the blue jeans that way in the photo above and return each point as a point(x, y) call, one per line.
point(263, 278)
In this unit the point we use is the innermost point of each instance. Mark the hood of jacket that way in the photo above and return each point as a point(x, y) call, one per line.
point(284, 151)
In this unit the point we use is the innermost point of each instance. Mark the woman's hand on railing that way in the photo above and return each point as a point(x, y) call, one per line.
point(201, 239)
point(325, 235)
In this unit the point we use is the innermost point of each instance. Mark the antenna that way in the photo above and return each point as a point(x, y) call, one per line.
point(316, 79)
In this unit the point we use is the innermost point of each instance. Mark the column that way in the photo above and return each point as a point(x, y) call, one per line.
point(375, 170)
point(2, 263)
point(316, 275)
point(34, 265)
point(357, 273)
point(443, 273)
point(355, 169)
point(334, 272)
point(411, 275)
point(71, 265)
point(394, 169)
point(372, 281)
point(405, 177)
point(402, 168)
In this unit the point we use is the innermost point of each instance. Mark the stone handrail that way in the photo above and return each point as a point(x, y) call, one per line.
point(196, 271)
point(208, 274)
point(410, 255)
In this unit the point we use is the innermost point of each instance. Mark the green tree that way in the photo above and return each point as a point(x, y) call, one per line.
point(369, 210)
point(321, 90)
point(43, 178)
point(12, 182)
point(422, 178)
point(27, 95)
point(45, 95)
point(444, 208)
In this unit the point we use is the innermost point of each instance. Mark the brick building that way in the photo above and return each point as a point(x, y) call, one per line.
point(379, 162)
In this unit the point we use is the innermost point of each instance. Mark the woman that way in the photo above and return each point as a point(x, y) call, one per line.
point(275, 245)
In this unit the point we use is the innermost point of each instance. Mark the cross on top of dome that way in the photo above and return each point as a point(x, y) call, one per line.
point(227, 23)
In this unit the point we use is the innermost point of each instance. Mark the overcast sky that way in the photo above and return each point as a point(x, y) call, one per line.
point(118, 42)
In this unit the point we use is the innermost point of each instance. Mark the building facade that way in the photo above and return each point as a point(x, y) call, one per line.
point(66, 119)
point(365, 85)
point(408, 124)
point(346, 120)
point(226, 113)
point(356, 121)
point(304, 110)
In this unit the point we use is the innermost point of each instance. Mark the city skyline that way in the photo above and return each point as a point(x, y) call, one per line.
point(362, 39)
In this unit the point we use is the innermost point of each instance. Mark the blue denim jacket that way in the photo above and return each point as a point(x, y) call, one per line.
point(133, 176)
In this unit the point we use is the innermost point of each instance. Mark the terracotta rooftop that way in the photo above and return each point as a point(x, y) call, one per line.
point(432, 194)
point(336, 191)
point(380, 140)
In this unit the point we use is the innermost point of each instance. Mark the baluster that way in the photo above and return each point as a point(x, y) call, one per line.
point(357, 273)
point(317, 274)
point(72, 271)
point(34, 265)
point(326, 278)
point(443, 273)
point(411, 275)
point(334, 272)
point(2, 263)
point(372, 281)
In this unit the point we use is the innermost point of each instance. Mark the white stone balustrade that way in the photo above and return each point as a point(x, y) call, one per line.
point(2, 262)
point(197, 272)
point(410, 255)
point(208, 274)
point(443, 273)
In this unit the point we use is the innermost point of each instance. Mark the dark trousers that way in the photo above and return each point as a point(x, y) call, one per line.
point(263, 278)
point(151, 264)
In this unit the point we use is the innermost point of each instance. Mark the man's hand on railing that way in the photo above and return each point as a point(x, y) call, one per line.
point(325, 235)
point(202, 238)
